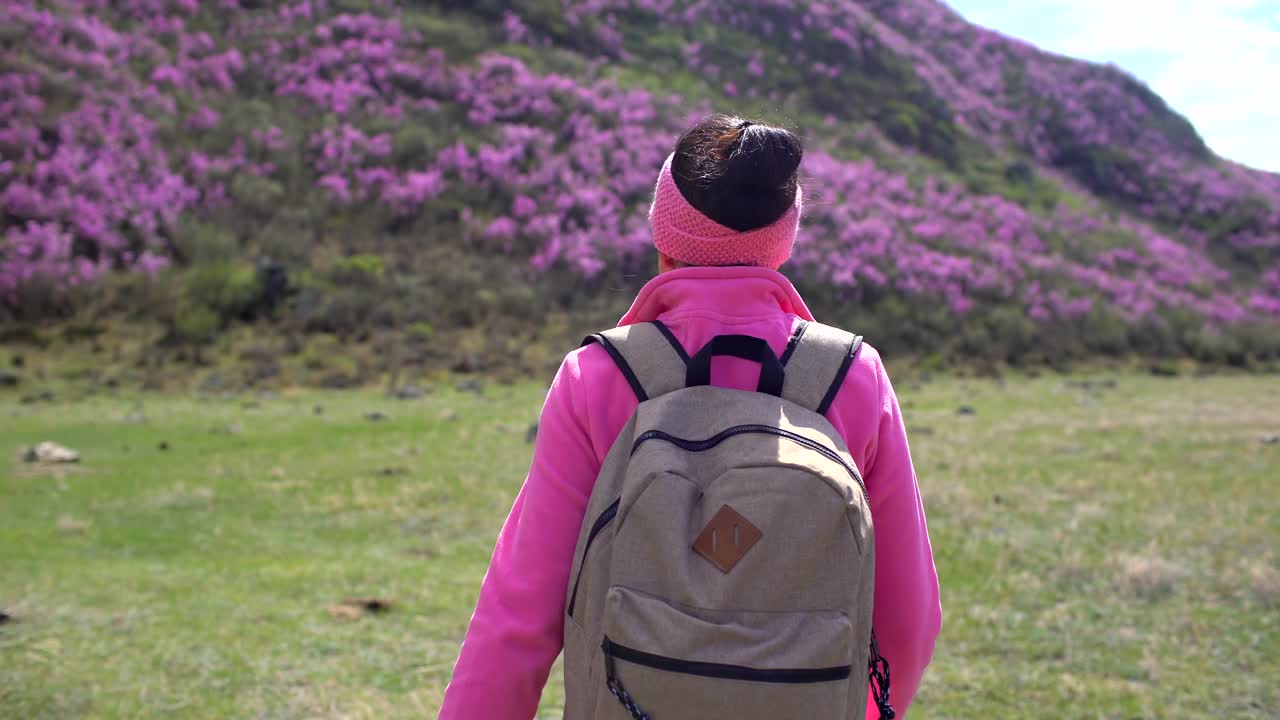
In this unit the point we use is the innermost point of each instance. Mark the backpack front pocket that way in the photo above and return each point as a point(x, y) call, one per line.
point(663, 661)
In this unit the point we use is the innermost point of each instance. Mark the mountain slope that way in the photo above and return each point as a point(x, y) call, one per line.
point(969, 193)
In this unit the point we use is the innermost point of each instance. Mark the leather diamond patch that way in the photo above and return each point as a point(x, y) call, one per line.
point(726, 539)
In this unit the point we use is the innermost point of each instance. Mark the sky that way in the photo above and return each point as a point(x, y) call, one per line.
point(1217, 62)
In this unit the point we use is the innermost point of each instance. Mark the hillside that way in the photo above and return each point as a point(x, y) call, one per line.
point(468, 177)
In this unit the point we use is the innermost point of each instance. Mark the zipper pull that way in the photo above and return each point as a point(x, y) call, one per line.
point(615, 686)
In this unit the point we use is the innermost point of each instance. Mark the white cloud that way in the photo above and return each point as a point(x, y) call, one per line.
point(1215, 61)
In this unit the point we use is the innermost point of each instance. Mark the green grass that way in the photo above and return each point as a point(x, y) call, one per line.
point(1104, 553)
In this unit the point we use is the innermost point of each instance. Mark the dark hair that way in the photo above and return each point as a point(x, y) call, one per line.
point(737, 172)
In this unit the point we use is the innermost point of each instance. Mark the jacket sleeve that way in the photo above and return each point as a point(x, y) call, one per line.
point(908, 615)
point(516, 631)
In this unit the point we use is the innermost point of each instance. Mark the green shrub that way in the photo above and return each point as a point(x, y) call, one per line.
point(259, 196)
point(1103, 331)
point(1011, 335)
point(415, 146)
point(1108, 171)
point(201, 241)
point(364, 270)
point(195, 323)
point(225, 289)
point(900, 121)
point(420, 332)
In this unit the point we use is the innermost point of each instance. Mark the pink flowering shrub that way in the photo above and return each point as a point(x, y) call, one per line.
point(948, 166)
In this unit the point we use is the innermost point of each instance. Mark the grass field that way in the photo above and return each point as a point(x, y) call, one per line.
point(1108, 548)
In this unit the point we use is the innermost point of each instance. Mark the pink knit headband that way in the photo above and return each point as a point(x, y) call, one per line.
point(683, 233)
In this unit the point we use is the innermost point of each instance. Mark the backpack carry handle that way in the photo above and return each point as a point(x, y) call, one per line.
point(741, 346)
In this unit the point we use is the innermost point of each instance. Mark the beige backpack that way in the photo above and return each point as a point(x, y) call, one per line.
point(725, 567)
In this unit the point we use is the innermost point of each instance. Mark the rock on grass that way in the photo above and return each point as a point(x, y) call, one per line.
point(357, 608)
point(410, 392)
point(51, 453)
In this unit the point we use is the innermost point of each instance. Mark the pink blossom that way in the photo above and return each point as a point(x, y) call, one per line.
point(337, 186)
point(203, 118)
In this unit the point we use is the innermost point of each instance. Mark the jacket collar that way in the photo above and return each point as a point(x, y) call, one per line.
point(725, 291)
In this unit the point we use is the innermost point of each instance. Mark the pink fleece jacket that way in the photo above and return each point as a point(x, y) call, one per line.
point(517, 629)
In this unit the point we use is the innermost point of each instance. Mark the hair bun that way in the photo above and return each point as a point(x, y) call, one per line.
point(740, 173)
point(765, 158)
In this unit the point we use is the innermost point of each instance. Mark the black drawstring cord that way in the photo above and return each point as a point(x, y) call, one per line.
point(615, 686)
point(878, 670)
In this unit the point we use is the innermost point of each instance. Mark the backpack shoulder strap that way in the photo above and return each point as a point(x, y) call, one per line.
point(817, 360)
point(649, 356)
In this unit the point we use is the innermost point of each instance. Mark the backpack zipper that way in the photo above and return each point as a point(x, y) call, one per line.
point(601, 522)
point(704, 445)
point(789, 676)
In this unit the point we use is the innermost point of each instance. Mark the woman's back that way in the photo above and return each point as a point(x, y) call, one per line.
point(516, 632)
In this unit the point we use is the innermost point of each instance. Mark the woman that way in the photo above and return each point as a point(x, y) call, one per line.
point(724, 217)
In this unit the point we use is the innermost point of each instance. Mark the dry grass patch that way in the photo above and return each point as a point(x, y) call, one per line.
point(181, 496)
point(1262, 579)
point(69, 524)
point(1147, 575)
